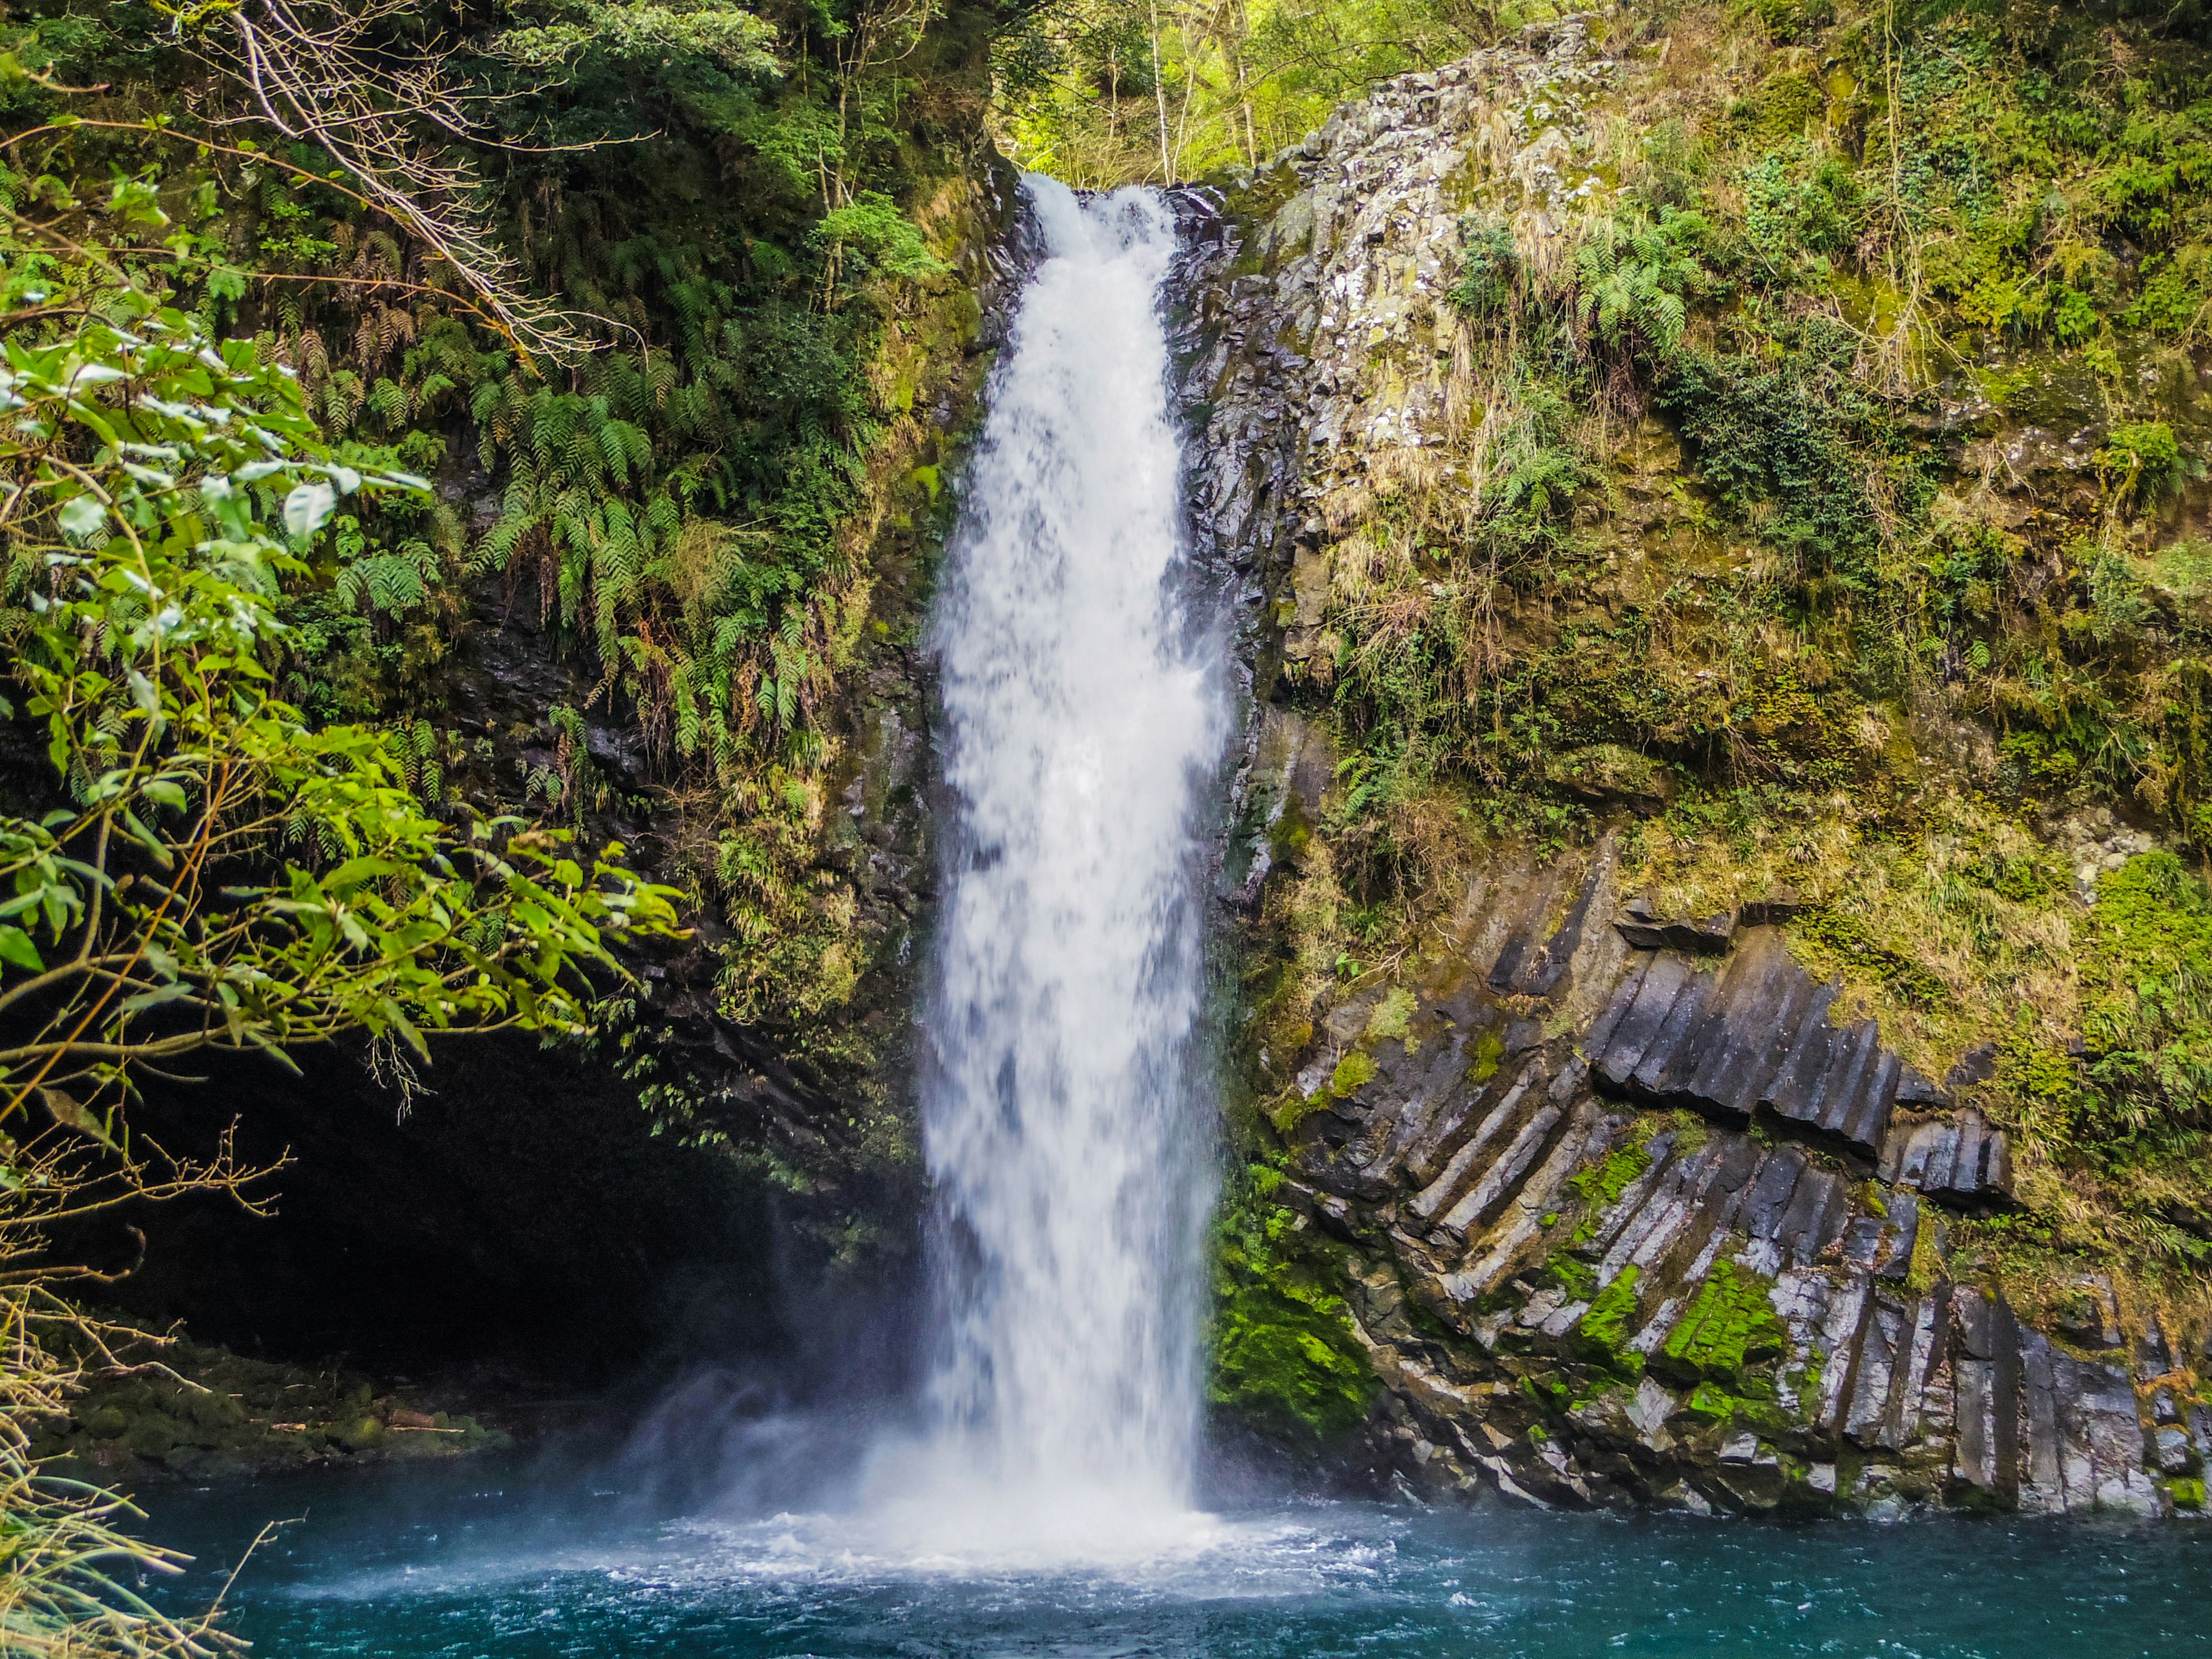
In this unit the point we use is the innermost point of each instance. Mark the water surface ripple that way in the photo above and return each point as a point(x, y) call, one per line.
point(479, 1565)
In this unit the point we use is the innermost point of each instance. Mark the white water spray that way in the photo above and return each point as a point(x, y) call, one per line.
point(1065, 1138)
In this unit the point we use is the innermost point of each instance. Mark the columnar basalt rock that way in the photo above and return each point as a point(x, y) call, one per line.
point(1647, 1279)
point(1641, 1210)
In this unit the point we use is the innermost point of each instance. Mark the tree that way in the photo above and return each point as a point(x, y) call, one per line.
point(222, 875)
point(215, 872)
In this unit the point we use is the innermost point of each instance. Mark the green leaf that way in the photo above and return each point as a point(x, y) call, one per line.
point(308, 508)
point(66, 1109)
point(82, 516)
point(153, 998)
point(17, 950)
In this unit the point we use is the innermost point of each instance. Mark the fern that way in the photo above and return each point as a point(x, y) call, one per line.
point(1631, 283)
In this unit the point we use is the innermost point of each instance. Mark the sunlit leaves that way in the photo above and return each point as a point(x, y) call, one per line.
point(226, 874)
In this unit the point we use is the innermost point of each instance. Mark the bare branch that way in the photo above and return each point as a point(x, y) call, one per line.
point(325, 78)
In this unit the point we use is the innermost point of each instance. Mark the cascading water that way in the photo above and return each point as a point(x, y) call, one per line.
point(1067, 1145)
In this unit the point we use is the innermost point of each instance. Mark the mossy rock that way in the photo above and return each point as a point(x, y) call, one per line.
point(151, 1437)
point(1600, 1336)
point(1279, 1373)
point(208, 1409)
point(1354, 1072)
point(1728, 1328)
point(1605, 772)
point(1601, 1184)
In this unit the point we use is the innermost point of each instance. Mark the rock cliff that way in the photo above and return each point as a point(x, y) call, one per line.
point(1639, 1157)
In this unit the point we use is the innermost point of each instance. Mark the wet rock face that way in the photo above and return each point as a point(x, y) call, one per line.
point(1634, 1209)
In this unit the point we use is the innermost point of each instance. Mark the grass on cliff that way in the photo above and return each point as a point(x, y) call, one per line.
point(1820, 561)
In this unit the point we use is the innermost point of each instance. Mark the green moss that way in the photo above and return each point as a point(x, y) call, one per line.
point(1729, 1327)
point(1601, 1184)
point(1576, 1278)
point(1711, 1400)
point(1292, 1109)
point(1602, 1334)
point(1390, 1016)
point(1284, 1358)
point(1782, 108)
point(1489, 1050)
point(2187, 1494)
point(1355, 1069)
point(1927, 1264)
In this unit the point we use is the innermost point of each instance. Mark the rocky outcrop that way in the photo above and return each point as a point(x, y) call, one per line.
point(1629, 1207)
point(169, 1409)
point(1675, 1243)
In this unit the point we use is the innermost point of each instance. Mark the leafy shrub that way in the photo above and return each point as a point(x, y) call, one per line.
point(2148, 459)
point(2146, 1003)
point(1488, 269)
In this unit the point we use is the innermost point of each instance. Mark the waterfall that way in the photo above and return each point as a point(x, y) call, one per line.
point(1065, 1138)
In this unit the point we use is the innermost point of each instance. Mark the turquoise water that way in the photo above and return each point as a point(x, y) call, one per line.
point(483, 1562)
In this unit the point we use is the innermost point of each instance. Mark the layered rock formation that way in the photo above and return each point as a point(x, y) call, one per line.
point(1624, 1206)
point(1631, 1227)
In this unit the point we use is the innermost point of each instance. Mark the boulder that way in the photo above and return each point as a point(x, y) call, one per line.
point(1962, 1160)
point(1646, 930)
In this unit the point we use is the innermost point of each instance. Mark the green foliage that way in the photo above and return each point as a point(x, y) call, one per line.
point(1635, 282)
point(692, 505)
point(136, 473)
point(2148, 460)
point(1283, 1355)
point(1392, 1014)
point(638, 33)
point(1082, 85)
point(1797, 443)
point(1575, 1276)
point(2147, 1005)
point(1801, 206)
point(1488, 271)
point(217, 871)
point(873, 228)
